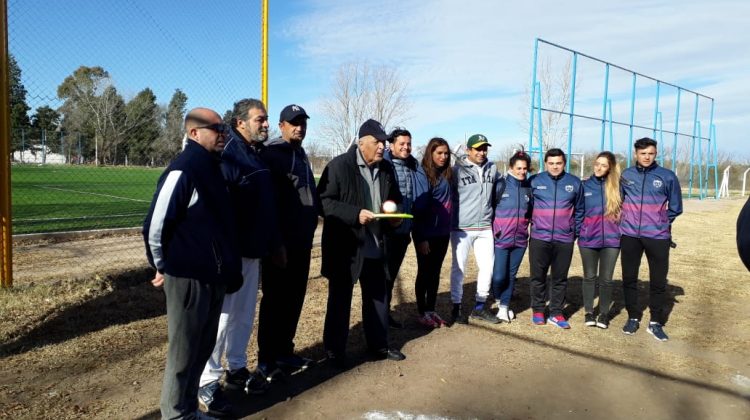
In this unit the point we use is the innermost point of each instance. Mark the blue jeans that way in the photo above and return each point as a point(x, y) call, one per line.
point(507, 261)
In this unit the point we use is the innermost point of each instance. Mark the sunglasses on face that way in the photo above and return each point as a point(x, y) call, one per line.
point(219, 128)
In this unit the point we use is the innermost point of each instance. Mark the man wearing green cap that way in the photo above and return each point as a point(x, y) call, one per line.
point(474, 180)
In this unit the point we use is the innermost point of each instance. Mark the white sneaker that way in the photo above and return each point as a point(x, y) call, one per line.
point(504, 314)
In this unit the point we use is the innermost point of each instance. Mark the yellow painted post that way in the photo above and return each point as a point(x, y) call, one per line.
point(6, 238)
point(264, 54)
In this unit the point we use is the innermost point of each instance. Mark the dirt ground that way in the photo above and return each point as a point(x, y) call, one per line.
point(93, 345)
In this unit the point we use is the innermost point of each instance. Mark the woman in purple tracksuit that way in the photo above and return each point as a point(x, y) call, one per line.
point(598, 230)
point(432, 226)
point(510, 230)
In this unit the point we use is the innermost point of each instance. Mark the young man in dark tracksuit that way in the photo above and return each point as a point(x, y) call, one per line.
point(352, 189)
point(552, 236)
point(190, 237)
point(651, 200)
point(298, 206)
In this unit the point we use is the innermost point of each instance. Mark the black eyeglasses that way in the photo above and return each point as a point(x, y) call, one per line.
point(218, 128)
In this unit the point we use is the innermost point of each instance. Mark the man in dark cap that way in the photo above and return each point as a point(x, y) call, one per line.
point(297, 205)
point(352, 189)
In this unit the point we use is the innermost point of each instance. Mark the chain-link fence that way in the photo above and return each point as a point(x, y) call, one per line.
point(98, 92)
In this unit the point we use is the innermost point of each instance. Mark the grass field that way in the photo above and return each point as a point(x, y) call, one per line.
point(55, 198)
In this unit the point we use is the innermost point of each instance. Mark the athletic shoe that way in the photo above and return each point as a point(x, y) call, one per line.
point(538, 318)
point(435, 317)
point(427, 321)
point(602, 322)
point(511, 314)
point(234, 380)
point(294, 363)
point(656, 329)
point(503, 314)
point(387, 354)
point(560, 321)
point(590, 320)
point(484, 315)
point(211, 400)
point(631, 326)
point(457, 316)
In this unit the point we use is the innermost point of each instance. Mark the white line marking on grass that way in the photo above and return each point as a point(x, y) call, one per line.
point(57, 219)
point(92, 193)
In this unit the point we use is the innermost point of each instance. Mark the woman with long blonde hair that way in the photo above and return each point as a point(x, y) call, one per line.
point(598, 230)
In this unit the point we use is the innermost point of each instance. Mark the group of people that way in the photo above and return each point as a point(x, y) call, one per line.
point(236, 213)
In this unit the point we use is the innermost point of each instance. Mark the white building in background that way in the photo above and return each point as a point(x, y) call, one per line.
point(38, 156)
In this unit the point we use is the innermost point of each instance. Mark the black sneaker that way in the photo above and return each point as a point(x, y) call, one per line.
point(590, 320)
point(392, 323)
point(234, 380)
point(268, 371)
point(603, 321)
point(387, 354)
point(631, 326)
point(484, 314)
point(457, 315)
point(293, 363)
point(258, 383)
point(211, 400)
point(657, 330)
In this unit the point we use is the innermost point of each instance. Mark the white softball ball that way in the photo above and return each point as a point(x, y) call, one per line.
point(389, 207)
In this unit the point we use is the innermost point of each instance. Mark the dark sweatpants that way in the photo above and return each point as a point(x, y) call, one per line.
point(395, 246)
point(657, 255)
point(193, 310)
point(374, 308)
point(543, 256)
point(428, 273)
point(598, 267)
point(284, 292)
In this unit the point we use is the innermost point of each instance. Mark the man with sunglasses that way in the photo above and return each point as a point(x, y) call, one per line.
point(252, 199)
point(190, 237)
point(298, 207)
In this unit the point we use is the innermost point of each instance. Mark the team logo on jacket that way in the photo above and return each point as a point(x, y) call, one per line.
point(588, 194)
point(657, 183)
point(569, 188)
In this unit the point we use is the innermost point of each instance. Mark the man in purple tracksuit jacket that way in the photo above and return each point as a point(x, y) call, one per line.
point(651, 200)
point(552, 237)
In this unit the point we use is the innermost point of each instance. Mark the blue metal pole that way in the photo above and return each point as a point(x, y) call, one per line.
point(572, 107)
point(716, 159)
point(632, 119)
point(692, 148)
point(611, 134)
point(676, 127)
point(533, 96)
point(604, 105)
point(541, 128)
point(701, 192)
point(661, 139)
point(656, 107)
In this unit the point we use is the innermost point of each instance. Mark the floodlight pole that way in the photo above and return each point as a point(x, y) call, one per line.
point(264, 54)
point(6, 235)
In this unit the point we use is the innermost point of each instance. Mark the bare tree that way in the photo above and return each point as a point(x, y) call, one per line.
point(359, 92)
point(556, 89)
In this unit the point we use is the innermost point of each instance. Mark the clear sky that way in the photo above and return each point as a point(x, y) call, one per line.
point(467, 64)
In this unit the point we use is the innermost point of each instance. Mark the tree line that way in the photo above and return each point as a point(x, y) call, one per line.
point(115, 131)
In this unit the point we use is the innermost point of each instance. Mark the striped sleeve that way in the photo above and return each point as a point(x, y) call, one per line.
point(163, 217)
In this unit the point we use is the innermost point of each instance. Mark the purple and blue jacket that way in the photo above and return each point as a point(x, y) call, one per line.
point(651, 200)
point(593, 229)
point(510, 227)
point(554, 204)
point(433, 208)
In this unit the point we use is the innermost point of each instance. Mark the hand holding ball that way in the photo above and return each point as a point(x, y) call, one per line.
point(389, 207)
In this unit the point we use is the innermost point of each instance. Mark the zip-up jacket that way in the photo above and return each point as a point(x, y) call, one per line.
point(554, 204)
point(251, 191)
point(472, 190)
point(190, 229)
point(593, 229)
point(297, 201)
point(432, 208)
point(651, 200)
point(510, 226)
point(405, 171)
